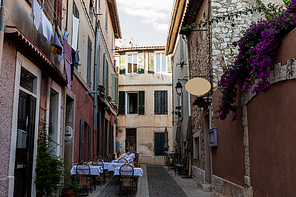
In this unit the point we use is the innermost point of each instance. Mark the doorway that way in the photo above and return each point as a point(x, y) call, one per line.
point(25, 145)
point(131, 140)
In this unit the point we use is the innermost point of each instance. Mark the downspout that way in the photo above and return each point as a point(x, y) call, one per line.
point(96, 59)
point(2, 26)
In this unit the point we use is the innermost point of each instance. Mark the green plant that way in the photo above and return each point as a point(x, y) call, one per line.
point(71, 185)
point(50, 168)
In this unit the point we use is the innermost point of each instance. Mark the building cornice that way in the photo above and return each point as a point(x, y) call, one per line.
point(114, 18)
point(175, 25)
point(143, 48)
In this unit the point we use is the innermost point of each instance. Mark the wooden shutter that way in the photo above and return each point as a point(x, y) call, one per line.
point(160, 102)
point(159, 142)
point(122, 63)
point(89, 141)
point(151, 62)
point(89, 62)
point(104, 71)
point(141, 102)
point(113, 89)
point(58, 12)
point(121, 109)
point(81, 141)
point(99, 132)
point(116, 90)
point(107, 78)
point(141, 65)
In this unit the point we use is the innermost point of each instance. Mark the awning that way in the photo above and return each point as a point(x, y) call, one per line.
point(34, 54)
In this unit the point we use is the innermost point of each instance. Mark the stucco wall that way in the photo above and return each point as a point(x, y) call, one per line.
point(84, 110)
point(228, 156)
point(272, 140)
point(7, 80)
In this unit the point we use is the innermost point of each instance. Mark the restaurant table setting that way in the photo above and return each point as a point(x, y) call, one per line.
point(137, 171)
point(94, 170)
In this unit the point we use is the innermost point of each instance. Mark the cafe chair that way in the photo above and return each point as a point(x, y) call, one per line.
point(180, 167)
point(135, 165)
point(84, 176)
point(102, 176)
point(93, 162)
point(126, 175)
point(122, 160)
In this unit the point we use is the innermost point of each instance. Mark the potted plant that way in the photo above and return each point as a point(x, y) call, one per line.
point(70, 189)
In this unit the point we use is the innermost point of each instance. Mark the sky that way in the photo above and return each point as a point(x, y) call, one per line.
point(146, 21)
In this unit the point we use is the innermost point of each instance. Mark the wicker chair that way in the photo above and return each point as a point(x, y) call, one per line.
point(102, 176)
point(135, 165)
point(126, 175)
point(181, 166)
point(84, 176)
point(122, 160)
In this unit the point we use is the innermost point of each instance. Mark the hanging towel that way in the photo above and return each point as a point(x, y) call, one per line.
point(66, 35)
point(58, 40)
point(75, 33)
point(36, 14)
point(75, 58)
point(68, 62)
point(47, 30)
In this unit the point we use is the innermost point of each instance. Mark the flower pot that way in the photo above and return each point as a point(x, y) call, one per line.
point(69, 193)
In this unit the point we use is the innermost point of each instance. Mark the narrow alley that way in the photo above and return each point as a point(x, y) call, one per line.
point(157, 181)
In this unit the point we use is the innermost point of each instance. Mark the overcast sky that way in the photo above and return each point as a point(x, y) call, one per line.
point(147, 21)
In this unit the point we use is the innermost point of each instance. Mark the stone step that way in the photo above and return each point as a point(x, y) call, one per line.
point(206, 187)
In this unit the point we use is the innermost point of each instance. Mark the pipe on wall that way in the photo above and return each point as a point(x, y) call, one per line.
point(2, 27)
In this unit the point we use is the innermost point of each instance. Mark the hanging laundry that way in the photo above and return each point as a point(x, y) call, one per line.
point(58, 40)
point(68, 62)
point(47, 30)
point(66, 36)
point(75, 57)
point(75, 32)
point(36, 14)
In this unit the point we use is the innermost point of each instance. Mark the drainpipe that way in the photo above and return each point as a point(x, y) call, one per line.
point(96, 59)
point(2, 26)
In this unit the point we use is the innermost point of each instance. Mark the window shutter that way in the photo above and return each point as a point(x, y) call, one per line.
point(165, 102)
point(99, 132)
point(151, 62)
point(113, 86)
point(89, 62)
point(159, 141)
point(81, 141)
point(89, 141)
point(58, 12)
point(121, 109)
point(141, 65)
point(122, 63)
point(141, 102)
point(116, 90)
point(107, 78)
point(106, 20)
point(160, 102)
point(104, 71)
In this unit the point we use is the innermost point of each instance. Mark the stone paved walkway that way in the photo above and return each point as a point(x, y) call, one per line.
point(161, 184)
point(157, 181)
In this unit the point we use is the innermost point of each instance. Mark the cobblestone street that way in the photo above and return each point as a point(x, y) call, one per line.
point(157, 181)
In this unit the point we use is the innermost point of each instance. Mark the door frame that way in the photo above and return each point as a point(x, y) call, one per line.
point(22, 61)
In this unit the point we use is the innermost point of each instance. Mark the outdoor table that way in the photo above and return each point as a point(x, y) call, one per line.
point(94, 170)
point(110, 166)
point(137, 171)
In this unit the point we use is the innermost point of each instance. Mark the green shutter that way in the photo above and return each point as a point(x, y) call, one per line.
point(151, 62)
point(122, 63)
point(160, 102)
point(121, 109)
point(116, 90)
point(159, 141)
point(81, 141)
point(141, 102)
point(141, 67)
point(104, 70)
point(107, 78)
point(89, 141)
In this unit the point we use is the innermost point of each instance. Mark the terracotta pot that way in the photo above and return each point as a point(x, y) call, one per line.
point(69, 192)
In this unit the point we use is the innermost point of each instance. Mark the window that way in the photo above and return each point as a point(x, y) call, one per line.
point(160, 102)
point(132, 63)
point(160, 62)
point(91, 11)
point(159, 141)
point(131, 102)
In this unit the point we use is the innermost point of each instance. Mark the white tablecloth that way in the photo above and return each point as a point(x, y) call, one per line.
point(111, 166)
point(94, 170)
point(137, 171)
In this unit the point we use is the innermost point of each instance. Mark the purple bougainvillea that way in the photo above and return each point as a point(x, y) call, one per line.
point(256, 48)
